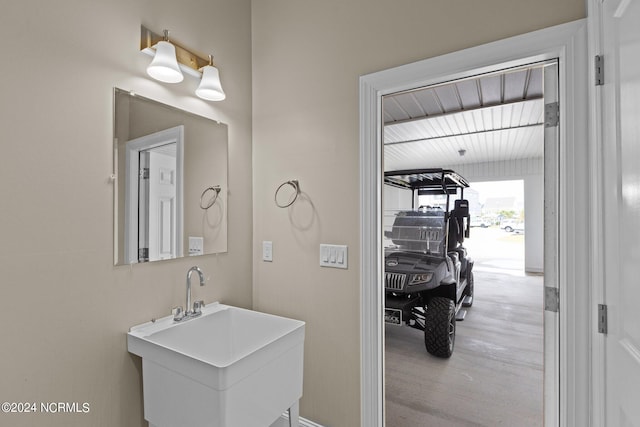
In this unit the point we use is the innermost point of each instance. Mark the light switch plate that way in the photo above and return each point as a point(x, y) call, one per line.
point(196, 246)
point(267, 251)
point(334, 256)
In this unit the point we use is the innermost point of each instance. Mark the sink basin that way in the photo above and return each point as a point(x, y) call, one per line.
point(229, 367)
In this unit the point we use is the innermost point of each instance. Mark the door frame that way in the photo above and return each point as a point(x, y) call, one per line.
point(568, 43)
point(133, 148)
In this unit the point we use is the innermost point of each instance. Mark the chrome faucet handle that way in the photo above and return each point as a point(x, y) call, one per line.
point(197, 307)
point(178, 314)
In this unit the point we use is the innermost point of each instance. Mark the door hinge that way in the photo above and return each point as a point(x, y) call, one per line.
point(551, 299)
point(143, 255)
point(602, 319)
point(551, 114)
point(599, 70)
point(144, 173)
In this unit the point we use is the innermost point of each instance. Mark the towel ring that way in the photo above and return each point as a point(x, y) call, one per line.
point(216, 189)
point(296, 186)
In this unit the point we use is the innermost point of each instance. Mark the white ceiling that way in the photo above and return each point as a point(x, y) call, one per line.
point(493, 117)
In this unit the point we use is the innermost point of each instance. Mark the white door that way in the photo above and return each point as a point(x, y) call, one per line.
point(162, 205)
point(621, 185)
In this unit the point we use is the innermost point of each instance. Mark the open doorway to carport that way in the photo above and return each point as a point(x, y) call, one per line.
point(488, 128)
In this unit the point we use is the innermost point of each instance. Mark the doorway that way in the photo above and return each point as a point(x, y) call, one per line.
point(157, 203)
point(153, 196)
point(484, 127)
point(566, 42)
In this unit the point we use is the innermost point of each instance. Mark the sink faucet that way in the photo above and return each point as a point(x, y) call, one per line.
point(195, 310)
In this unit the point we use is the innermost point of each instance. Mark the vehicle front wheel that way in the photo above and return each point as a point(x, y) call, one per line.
point(440, 327)
point(508, 229)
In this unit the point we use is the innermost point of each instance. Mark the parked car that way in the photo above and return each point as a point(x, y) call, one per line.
point(508, 224)
point(479, 222)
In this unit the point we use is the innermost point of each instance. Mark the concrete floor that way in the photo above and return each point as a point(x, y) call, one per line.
point(494, 377)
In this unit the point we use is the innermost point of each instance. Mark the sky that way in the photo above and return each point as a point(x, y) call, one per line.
point(499, 189)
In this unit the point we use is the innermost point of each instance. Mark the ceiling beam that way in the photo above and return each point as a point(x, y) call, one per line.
point(465, 134)
point(414, 119)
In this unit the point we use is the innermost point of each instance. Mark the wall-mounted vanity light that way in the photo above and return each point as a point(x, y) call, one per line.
point(164, 66)
point(210, 87)
point(171, 60)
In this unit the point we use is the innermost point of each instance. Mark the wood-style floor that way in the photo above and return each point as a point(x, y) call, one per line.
point(494, 377)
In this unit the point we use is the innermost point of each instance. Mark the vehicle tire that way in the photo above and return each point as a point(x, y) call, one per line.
point(440, 327)
point(508, 229)
point(468, 291)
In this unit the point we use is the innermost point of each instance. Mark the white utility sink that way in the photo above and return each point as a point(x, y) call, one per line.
point(230, 367)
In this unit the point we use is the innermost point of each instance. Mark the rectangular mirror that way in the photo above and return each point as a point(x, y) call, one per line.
point(171, 181)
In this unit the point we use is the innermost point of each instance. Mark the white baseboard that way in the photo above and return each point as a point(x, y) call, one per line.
point(283, 421)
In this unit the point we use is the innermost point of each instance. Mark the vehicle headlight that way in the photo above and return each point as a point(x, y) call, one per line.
point(417, 279)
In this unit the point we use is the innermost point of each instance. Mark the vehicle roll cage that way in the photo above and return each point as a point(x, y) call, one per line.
point(427, 181)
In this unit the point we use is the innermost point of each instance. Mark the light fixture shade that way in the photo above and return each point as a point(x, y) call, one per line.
point(210, 87)
point(164, 66)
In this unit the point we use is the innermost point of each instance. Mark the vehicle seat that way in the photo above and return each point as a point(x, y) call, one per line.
point(456, 238)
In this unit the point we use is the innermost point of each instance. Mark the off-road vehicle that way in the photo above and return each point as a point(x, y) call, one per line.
point(428, 274)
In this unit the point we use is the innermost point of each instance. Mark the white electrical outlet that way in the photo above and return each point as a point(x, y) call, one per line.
point(267, 251)
point(196, 246)
point(334, 256)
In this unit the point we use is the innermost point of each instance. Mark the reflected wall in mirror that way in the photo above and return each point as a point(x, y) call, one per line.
point(167, 162)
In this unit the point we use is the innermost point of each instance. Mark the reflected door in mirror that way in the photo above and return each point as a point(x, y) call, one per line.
point(154, 192)
point(157, 204)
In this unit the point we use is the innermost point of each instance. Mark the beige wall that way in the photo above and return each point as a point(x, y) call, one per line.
point(307, 57)
point(65, 307)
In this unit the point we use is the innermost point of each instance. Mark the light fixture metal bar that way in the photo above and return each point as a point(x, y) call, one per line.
point(189, 61)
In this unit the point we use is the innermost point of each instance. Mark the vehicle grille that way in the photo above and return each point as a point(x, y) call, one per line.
point(395, 281)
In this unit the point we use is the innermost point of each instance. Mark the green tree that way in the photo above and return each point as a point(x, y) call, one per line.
point(507, 214)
